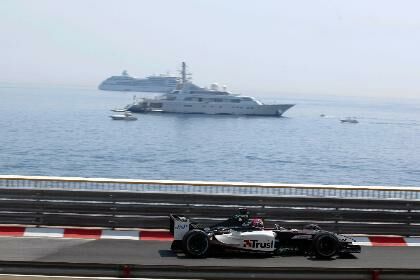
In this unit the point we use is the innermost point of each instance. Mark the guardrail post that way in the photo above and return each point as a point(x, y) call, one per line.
point(375, 274)
point(409, 220)
point(126, 271)
point(39, 209)
point(112, 222)
point(337, 218)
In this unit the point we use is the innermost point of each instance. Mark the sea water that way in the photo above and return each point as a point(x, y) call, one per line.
point(68, 132)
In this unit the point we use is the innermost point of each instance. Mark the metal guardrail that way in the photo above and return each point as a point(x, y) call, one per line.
point(203, 272)
point(228, 188)
point(122, 209)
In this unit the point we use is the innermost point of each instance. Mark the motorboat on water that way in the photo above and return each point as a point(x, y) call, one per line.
point(126, 116)
point(119, 110)
point(189, 98)
point(349, 120)
point(192, 99)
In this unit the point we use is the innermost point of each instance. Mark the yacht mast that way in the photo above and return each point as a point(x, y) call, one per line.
point(184, 73)
point(185, 77)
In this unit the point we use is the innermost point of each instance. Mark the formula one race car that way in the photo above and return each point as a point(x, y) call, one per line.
point(242, 233)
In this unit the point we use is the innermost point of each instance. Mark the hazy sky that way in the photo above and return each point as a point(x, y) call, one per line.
point(304, 46)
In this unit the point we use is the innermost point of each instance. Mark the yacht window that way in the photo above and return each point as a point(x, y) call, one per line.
point(218, 100)
point(246, 99)
point(235, 100)
point(188, 98)
point(171, 98)
point(200, 99)
point(156, 105)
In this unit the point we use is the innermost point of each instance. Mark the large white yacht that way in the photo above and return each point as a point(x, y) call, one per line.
point(124, 82)
point(196, 100)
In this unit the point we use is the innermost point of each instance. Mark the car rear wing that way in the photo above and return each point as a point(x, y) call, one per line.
point(178, 226)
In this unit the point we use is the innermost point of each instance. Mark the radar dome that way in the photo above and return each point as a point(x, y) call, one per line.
point(214, 86)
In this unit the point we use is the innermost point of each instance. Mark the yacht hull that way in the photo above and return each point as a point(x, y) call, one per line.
point(212, 109)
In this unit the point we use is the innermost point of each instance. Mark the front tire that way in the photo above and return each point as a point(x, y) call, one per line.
point(196, 243)
point(325, 245)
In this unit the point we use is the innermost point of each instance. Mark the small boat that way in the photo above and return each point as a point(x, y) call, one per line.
point(119, 110)
point(127, 116)
point(349, 120)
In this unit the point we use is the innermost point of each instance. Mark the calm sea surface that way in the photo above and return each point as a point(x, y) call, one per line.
point(68, 132)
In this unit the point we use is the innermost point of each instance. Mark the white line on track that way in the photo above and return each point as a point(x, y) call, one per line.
point(114, 234)
point(44, 232)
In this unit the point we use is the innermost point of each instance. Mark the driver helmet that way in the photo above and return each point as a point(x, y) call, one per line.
point(257, 223)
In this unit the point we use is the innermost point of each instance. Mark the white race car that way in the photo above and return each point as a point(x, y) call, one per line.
point(248, 235)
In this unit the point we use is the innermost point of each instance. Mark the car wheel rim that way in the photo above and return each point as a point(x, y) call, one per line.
point(327, 246)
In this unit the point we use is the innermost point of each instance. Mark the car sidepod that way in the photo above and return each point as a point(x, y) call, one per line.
point(256, 241)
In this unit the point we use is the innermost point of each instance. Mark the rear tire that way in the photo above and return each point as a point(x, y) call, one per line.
point(325, 245)
point(196, 243)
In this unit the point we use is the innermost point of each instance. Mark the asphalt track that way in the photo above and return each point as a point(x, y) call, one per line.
point(158, 253)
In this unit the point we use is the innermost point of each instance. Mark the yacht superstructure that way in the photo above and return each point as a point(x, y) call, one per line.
point(196, 100)
point(124, 82)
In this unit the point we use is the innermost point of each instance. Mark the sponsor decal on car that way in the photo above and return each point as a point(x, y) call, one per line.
point(302, 236)
point(181, 226)
point(250, 243)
